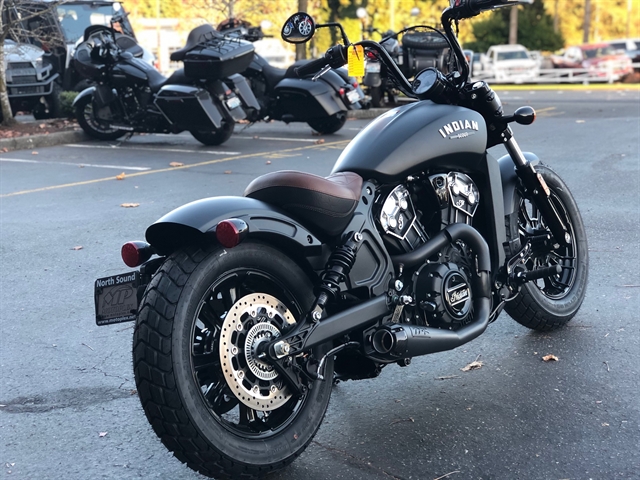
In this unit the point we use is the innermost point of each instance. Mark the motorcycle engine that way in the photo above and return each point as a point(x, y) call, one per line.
point(441, 288)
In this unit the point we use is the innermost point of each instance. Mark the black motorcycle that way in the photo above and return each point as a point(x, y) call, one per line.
point(422, 47)
point(414, 244)
point(132, 96)
point(280, 94)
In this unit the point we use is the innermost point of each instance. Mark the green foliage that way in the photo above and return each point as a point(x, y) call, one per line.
point(535, 29)
point(66, 103)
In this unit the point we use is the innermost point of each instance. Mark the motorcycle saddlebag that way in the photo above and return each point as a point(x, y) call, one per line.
point(188, 108)
point(218, 57)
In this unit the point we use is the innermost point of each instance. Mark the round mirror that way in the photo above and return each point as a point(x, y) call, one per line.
point(299, 28)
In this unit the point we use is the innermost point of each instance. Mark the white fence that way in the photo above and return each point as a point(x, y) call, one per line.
point(561, 75)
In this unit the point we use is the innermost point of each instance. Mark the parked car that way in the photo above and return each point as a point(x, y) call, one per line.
point(31, 82)
point(629, 46)
point(600, 59)
point(509, 64)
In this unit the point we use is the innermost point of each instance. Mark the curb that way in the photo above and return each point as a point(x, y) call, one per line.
point(37, 141)
point(366, 114)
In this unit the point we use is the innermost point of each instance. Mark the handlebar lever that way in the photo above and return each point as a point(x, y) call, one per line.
point(321, 73)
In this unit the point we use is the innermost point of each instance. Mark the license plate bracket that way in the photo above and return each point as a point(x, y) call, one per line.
point(354, 96)
point(116, 298)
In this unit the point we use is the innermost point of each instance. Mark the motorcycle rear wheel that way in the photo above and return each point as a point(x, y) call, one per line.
point(550, 303)
point(91, 126)
point(214, 137)
point(330, 124)
point(185, 394)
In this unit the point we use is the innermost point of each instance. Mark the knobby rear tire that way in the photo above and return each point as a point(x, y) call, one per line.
point(168, 388)
point(546, 305)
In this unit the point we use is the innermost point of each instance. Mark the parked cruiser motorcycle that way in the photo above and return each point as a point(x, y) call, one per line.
point(416, 242)
point(421, 48)
point(132, 96)
point(282, 95)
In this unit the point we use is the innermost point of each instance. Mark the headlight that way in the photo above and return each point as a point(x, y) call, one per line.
point(38, 63)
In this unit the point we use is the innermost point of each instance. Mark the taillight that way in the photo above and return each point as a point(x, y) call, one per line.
point(231, 232)
point(136, 253)
point(355, 84)
point(342, 91)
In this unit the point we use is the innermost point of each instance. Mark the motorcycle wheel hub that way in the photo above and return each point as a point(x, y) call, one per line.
point(252, 320)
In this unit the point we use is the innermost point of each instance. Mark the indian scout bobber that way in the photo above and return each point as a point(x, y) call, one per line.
point(249, 307)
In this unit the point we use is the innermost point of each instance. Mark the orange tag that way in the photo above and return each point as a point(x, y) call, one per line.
point(355, 62)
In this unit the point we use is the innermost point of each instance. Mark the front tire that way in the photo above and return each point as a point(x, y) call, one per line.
point(92, 126)
point(178, 362)
point(215, 137)
point(550, 303)
point(330, 124)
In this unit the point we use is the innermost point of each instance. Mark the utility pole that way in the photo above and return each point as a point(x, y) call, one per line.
point(301, 48)
point(556, 19)
point(587, 21)
point(513, 25)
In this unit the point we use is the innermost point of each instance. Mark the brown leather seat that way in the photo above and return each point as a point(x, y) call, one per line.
point(325, 205)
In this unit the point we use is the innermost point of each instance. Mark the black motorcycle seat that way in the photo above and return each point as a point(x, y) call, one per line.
point(273, 75)
point(194, 38)
point(325, 205)
point(157, 80)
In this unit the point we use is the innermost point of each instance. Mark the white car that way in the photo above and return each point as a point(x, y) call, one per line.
point(272, 50)
point(510, 64)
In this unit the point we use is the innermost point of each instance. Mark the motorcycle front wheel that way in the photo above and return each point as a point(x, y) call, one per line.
point(549, 303)
point(208, 396)
point(91, 126)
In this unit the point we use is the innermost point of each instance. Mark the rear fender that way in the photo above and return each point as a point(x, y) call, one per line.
point(196, 222)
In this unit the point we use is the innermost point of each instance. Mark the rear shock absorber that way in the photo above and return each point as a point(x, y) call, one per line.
point(336, 271)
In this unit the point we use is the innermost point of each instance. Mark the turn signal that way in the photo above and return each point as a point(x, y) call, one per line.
point(342, 91)
point(231, 232)
point(136, 253)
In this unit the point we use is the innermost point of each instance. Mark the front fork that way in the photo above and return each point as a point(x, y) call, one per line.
point(536, 188)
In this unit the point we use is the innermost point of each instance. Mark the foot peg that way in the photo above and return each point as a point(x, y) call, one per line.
point(523, 277)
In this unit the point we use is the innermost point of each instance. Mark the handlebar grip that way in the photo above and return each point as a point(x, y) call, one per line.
point(313, 66)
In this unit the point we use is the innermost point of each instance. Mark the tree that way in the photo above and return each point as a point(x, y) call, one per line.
point(535, 29)
point(21, 21)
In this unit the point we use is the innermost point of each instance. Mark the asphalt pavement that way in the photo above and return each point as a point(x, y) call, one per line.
point(68, 406)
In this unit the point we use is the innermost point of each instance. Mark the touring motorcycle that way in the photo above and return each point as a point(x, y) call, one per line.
point(130, 95)
point(279, 94)
point(248, 308)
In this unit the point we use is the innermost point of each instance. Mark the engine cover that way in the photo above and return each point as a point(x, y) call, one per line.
point(458, 196)
point(443, 292)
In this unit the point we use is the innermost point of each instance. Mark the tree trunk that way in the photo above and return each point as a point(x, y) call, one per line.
point(587, 21)
point(513, 25)
point(7, 115)
point(301, 48)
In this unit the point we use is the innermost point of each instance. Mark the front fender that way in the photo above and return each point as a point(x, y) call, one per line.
point(85, 93)
point(197, 221)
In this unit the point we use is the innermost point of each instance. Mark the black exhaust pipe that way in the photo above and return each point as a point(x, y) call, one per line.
point(403, 341)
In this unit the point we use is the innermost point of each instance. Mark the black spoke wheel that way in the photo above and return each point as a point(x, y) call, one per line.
point(208, 396)
point(91, 125)
point(550, 302)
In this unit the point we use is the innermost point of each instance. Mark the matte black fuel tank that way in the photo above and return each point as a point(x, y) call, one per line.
point(414, 138)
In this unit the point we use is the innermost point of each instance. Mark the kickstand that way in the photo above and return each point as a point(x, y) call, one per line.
point(126, 137)
point(247, 126)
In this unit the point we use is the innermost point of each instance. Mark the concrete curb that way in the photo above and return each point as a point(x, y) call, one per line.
point(366, 114)
point(29, 142)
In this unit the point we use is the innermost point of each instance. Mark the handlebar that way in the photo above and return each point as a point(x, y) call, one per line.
point(312, 67)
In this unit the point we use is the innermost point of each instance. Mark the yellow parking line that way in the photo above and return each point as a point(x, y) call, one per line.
point(199, 164)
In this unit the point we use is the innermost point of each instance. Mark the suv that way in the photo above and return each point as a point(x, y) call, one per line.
point(630, 47)
point(599, 58)
point(32, 84)
point(510, 63)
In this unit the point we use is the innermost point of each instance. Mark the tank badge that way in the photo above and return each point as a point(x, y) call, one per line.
point(449, 129)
